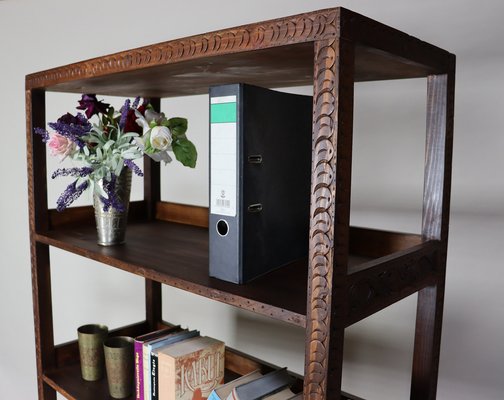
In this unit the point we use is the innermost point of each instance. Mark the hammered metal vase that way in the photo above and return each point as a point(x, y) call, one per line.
point(111, 224)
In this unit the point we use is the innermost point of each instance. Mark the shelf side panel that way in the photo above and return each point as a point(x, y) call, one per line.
point(429, 319)
point(382, 282)
point(330, 215)
point(408, 50)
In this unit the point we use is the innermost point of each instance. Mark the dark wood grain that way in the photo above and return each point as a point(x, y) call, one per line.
point(376, 243)
point(190, 65)
point(153, 303)
point(330, 215)
point(38, 219)
point(152, 195)
point(84, 215)
point(182, 214)
point(379, 283)
point(184, 264)
point(152, 175)
point(436, 215)
point(276, 34)
point(385, 40)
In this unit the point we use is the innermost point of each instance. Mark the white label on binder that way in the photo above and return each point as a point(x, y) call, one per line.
point(223, 165)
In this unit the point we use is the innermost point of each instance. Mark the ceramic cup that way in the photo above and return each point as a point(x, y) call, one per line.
point(119, 361)
point(91, 338)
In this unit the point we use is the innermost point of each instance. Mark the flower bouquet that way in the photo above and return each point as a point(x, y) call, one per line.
point(105, 142)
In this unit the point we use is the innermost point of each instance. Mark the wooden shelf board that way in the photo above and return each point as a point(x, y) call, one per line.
point(177, 255)
point(285, 66)
point(276, 53)
point(68, 382)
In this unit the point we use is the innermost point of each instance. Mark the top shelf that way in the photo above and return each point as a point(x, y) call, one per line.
point(275, 53)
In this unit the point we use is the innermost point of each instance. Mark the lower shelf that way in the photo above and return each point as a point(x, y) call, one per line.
point(68, 382)
point(66, 377)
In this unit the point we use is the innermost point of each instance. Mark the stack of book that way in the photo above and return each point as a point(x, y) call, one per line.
point(255, 386)
point(177, 364)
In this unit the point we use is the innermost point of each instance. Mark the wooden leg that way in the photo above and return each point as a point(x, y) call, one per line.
point(427, 343)
point(42, 312)
point(153, 305)
point(435, 223)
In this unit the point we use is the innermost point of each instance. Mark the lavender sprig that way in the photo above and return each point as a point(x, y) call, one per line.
point(135, 103)
point(73, 130)
point(135, 168)
point(42, 132)
point(124, 113)
point(71, 193)
point(75, 172)
point(113, 201)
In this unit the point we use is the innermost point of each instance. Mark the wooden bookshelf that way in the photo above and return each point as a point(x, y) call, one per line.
point(350, 273)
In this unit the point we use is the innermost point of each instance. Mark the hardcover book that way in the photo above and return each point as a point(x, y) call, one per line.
point(267, 385)
point(260, 157)
point(223, 391)
point(191, 369)
point(150, 375)
point(139, 341)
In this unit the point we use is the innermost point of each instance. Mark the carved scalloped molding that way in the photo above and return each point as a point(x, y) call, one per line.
point(296, 29)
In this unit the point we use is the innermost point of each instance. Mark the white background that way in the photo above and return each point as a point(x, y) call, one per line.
point(387, 174)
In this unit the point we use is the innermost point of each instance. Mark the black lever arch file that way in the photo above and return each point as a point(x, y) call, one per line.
point(260, 157)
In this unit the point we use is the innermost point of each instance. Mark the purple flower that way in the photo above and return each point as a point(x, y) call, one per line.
point(72, 127)
point(90, 103)
point(78, 119)
point(124, 113)
point(135, 168)
point(75, 172)
point(135, 103)
point(113, 201)
point(71, 193)
point(42, 132)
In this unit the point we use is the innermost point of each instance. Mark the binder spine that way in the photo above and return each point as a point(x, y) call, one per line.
point(225, 183)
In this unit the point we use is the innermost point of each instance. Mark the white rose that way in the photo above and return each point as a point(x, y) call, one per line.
point(160, 138)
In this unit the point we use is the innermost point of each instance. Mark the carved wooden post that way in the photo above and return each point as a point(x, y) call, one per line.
point(440, 110)
point(39, 221)
point(330, 214)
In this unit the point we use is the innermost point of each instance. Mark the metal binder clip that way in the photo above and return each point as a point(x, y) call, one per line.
point(255, 207)
point(255, 159)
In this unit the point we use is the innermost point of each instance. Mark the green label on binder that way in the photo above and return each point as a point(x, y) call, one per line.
point(222, 112)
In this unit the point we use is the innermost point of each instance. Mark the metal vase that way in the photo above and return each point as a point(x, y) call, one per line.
point(120, 364)
point(91, 338)
point(111, 224)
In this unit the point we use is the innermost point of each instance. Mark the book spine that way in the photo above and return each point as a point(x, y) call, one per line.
point(154, 377)
point(138, 371)
point(225, 193)
point(165, 386)
point(146, 371)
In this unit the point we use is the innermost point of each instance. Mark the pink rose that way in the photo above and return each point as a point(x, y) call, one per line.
point(60, 145)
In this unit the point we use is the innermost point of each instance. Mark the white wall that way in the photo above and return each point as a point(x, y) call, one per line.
point(389, 130)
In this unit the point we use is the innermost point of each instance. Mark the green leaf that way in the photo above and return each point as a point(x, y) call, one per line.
point(129, 134)
point(178, 126)
point(185, 152)
point(107, 145)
